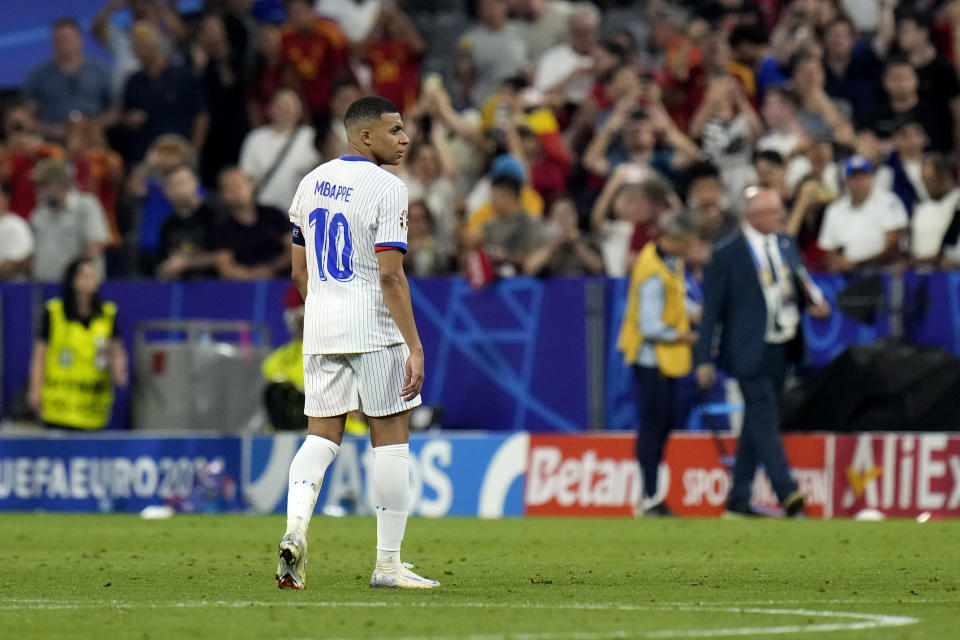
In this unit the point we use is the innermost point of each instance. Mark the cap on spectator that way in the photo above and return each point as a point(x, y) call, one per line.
point(51, 170)
point(270, 12)
point(857, 164)
point(509, 165)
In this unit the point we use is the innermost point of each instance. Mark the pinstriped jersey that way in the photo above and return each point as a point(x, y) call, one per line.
point(347, 209)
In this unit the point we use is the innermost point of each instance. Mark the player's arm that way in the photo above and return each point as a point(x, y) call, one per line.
point(299, 269)
point(396, 293)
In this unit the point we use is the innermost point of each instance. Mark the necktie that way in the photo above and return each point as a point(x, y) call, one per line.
point(776, 279)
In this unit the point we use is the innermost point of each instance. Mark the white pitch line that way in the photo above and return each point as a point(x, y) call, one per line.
point(863, 621)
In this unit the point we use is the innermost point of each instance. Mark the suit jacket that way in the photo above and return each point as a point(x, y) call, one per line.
point(735, 310)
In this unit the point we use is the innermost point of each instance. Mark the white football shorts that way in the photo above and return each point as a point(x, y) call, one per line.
point(335, 384)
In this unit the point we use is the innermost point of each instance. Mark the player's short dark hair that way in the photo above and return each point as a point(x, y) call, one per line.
point(66, 21)
point(920, 18)
point(507, 182)
point(768, 155)
point(368, 108)
point(748, 34)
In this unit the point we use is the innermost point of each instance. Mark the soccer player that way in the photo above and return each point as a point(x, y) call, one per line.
point(361, 349)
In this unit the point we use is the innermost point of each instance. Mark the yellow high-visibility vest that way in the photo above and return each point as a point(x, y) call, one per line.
point(675, 360)
point(77, 387)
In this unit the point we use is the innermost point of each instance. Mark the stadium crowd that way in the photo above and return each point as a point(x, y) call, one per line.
point(548, 137)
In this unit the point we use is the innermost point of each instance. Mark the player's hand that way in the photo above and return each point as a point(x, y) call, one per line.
point(706, 376)
point(413, 378)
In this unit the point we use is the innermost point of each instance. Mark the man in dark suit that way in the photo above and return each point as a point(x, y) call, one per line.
point(754, 287)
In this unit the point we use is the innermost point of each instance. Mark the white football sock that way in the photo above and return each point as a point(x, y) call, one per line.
point(391, 476)
point(306, 475)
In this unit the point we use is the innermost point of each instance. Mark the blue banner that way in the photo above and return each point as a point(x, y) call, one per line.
point(123, 473)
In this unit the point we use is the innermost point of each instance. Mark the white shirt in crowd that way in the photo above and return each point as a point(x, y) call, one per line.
point(258, 153)
point(799, 168)
point(556, 65)
point(16, 239)
point(929, 225)
point(354, 18)
point(783, 143)
point(348, 209)
point(615, 236)
point(64, 233)
point(860, 232)
point(783, 314)
point(440, 196)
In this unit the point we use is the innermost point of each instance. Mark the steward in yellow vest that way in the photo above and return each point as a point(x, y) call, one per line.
point(77, 356)
point(655, 339)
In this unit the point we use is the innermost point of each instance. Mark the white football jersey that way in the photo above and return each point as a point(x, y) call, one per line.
point(347, 209)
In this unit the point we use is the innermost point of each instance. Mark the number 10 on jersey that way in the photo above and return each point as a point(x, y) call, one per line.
point(332, 254)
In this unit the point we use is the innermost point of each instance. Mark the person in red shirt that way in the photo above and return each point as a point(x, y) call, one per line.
point(97, 169)
point(314, 54)
point(394, 50)
point(23, 149)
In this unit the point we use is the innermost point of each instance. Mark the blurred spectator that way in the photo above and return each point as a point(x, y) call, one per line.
point(726, 125)
point(796, 30)
point(254, 241)
point(331, 133)
point(814, 157)
point(565, 250)
point(314, 53)
point(544, 23)
point(283, 370)
point(186, 238)
point(16, 240)
point(656, 340)
point(162, 15)
point(394, 50)
point(772, 175)
point(621, 207)
point(636, 133)
point(937, 83)
point(935, 225)
point(277, 155)
point(751, 61)
point(24, 148)
point(267, 71)
point(730, 14)
point(547, 159)
point(805, 219)
point(67, 224)
point(705, 200)
point(496, 49)
point(656, 199)
point(901, 101)
point(819, 115)
point(355, 18)
point(852, 66)
point(221, 71)
point(425, 256)
point(779, 111)
point(69, 83)
point(77, 355)
point(902, 168)
point(480, 200)
point(97, 169)
point(566, 70)
point(512, 234)
point(863, 227)
point(145, 193)
point(160, 98)
point(424, 175)
point(682, 76)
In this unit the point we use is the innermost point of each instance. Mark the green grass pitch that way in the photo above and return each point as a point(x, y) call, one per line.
point(117, 576)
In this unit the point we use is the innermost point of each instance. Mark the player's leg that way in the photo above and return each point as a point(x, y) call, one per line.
point(380, 378)
point(331, 391)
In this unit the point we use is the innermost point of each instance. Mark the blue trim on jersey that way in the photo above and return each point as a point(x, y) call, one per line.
point(298, 238)
point(392, 245)
point(355, 159)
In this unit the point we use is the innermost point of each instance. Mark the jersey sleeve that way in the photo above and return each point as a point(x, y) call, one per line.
point(392, 220)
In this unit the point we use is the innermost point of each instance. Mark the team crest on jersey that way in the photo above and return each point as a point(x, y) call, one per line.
point(403, 219)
